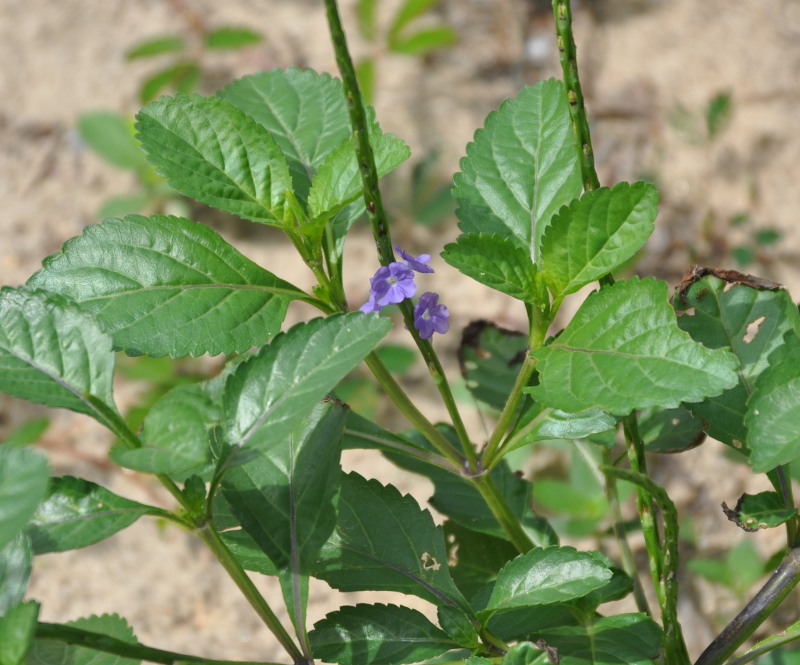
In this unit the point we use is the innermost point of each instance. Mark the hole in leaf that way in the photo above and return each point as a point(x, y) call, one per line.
point(752, 329)
point(736, 443)
point(429, 562)
point(688, 312)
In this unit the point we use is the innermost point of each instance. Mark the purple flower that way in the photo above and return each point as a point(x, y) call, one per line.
point(418, 263)
point(390, 285)
point(430, 316)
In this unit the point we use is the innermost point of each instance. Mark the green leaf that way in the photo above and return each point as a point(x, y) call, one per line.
point(175, 435)
point(168, 286)
point(211, 151)
point(408, 11)
point(526, 653)
point(228, 37)
point(458, 626)
point(520, 169)
point(28, 432)
point(285, 499)
point(749, 321)
point(305, 113)
point(772, 415)
point(596, 234)
point(24, 476)
point(760, 511)
point(182, 76)
point(367, 18)
point(424, 41)
point(490, 358)
point(362, 433)
point(377, 635)
point(267, 394)
point(546, 575)
point(17, 628)
point(54, 354)
point(78, 513)
point(156, 46)
point(383, 541)
point(247, 552)
point(111, 136)
point(496, 262)
point(338, 181)
point(112, 625)
point(624, 639)
point(540, 423)
point(623, 350)
point(670, 430)
point(16, 562)
point(478, 557)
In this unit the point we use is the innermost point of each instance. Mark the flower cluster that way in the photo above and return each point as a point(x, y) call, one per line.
point(394, 283)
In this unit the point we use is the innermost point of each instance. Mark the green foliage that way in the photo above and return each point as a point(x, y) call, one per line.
point(738, 569)
point(24, 476)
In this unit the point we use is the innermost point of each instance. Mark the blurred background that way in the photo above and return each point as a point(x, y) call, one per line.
point(700, 98)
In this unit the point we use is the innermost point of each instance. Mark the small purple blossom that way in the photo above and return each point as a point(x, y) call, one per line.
point(430, 316)
point(390, 285)
point(418, 263)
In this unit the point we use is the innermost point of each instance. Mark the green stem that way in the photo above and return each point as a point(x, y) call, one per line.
point(783, 487)
point(762, 605)
point(379, 220)
point(231, 565)
point(788, 636)
point(107, 644)
point(577, 109)
point(500, 509)
point(675, 652)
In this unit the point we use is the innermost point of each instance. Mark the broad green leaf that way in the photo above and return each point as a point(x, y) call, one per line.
point(112, 625)
point(210, 150)
point(228, 37)
point(168, 286)
point(458, 626)
point(17, 628)
point(520, 623)
point(338, 182)
point(156, 46)
point(526, 653)
point(24, 476)
point(496, 262)
point(267, 394)
point(247, 552)
point(361, 433)
point(175, 435)
point(624, 639)
point(377, 635)
point(285, 499)
point(111, 136)
point(540, 423)
point(546, 575)
point(16, 562)
point(54, 354)
point(424, 41)
point(520, 169)
point(596, 234)
point(490, 358)
point(478, 557)
point(670, 430)
point(760, 511)
point(305, 112)
point(385, 541)
point(78, 513)
point(772, 417)
point(623, 350)
point(749, 321)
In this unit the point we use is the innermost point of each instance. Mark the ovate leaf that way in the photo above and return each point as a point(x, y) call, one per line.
point(496, 262)
point(17, 628)
point(623, 351)
point(111, 625)
point(229, 37)
point(671, 430)
point(772, 417)
point(477, 557)
point(377, 635)
point(168, 286)
point(596, 234)
point(175, 435)
point(540, 423)
point(78, 513)
point(520, 169)
point(16, 562)
point(267, 394)
point(54, 354)
point(424, 41)
point(546, 575)
point(211, 151)
point(760, 511)
point(110, 135)
point(749, 321)
point(24, 475)
point(526, 653)
point(385, 541)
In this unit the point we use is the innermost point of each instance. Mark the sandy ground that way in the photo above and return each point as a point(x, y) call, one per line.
point(640, 60)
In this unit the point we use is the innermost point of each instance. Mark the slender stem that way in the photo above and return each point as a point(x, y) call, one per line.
point(234, 569)
point(675, 652)
point(379, 220)
point(789, 635)
point(577, 109)
point(781, 582)
point(625, 552)
point(783, 487)
point(411, 451)
point(107, 644)
point(501, 510)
